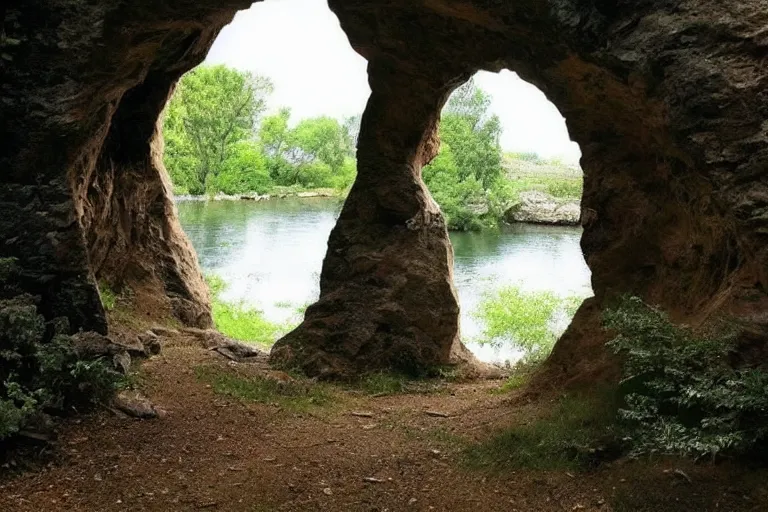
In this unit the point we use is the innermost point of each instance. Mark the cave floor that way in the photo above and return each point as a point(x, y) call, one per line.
point(355, 452)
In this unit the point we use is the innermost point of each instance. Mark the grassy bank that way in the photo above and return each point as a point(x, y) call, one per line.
point(527, 172)
point(241, 321)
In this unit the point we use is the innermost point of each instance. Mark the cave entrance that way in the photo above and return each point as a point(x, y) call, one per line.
point(260, 149)
point(673, 148)
point(508, 181)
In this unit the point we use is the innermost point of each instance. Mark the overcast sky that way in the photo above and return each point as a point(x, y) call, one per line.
point(301, 47)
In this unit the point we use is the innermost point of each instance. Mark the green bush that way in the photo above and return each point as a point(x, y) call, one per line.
point(565, 188)
point(244, 170)
point(681, 394)
point(108, 296)
point(41, 372)
point(524, 319)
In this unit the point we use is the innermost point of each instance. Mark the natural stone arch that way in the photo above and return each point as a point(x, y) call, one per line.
point(675, 152)
point(666, 100)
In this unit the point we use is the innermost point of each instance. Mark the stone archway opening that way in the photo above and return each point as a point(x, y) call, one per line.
point(260, 218)
point(508, 182)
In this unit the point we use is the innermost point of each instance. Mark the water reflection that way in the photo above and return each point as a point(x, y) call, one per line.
point(270, 253)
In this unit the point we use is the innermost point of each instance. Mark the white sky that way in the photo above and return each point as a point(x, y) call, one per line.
point(301, 47)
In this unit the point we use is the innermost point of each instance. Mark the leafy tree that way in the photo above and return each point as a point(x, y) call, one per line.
point(245, 170)
point(473, 134)
point(351, 127)
point(214, 108)
point(316, 153)
point(465, 178)
point(274, 136)
point(320, 140)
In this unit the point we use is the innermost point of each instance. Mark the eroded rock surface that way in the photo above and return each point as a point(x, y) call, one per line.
point(667, 101)
point(387, 298)
point(83, 194)
point(540, 208)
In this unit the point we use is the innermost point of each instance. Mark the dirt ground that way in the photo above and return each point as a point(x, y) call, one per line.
point(211, 451)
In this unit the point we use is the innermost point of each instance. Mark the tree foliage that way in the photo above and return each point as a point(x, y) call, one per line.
point(217, 141)
point(466, 176)
point(213, 110)
point(527, 320)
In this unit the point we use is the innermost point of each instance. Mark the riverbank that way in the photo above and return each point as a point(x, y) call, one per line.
point(235, 436)
point(279, 193)
point(530, 206)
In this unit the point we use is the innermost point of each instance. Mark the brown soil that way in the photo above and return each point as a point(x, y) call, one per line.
point(214, 452)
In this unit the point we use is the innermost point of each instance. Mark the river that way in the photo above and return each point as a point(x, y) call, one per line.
point(270, 253)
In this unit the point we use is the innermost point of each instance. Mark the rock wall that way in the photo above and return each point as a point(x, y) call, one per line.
point(536, 207)
point(667, 100)
point(84, 196)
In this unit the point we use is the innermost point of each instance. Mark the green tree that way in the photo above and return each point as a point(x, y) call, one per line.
point(316, 153)
point(244, 170)
point(351, 127)
point(466, 177)
point(214, 109)
point(274, 136)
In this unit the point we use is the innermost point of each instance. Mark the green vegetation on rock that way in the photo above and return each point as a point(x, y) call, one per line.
point(40, 370)
point(108, 296)
point(682, 394)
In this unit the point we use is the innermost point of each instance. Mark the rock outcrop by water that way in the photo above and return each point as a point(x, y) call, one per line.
point(537, 207)
point(666, 99)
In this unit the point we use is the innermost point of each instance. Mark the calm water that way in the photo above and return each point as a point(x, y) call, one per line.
point(270, 254)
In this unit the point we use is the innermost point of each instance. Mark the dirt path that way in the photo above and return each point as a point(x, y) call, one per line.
point(357, 452)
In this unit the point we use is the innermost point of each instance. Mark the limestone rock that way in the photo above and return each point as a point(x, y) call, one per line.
point(159, 330)
point(229, 348)
point(122, 362)
point(540, 208)
point(136, 405)
point(150, 342)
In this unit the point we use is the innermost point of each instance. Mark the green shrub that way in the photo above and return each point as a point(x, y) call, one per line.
point(108, 297)
point(523, 319)
point(565, 188)
point(681, 394)
point(41, 372)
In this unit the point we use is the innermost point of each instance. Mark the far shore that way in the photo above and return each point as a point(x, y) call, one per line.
point(280, 194)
